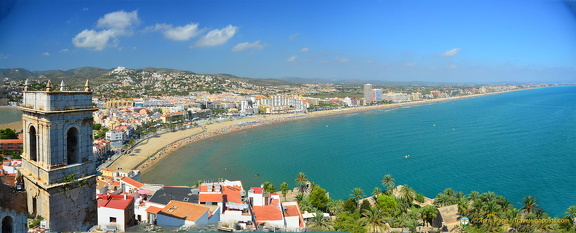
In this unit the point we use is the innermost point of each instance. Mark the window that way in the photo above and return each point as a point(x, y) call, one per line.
point(112, 219)
point(72, 145)
point(32, 143)
point(7, 224)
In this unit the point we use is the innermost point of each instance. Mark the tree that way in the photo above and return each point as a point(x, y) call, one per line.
point(374, 220)
point(348, 222)
point(388, 182)
point(319, 222)
point(96, 126)
point(377, 191)
point(407, 195)
point(269, 187)
point(301, 180)
point(528, 203)
point(284, 188)
point(350, 205)
point(198, 183)
point(428, 213)
point(357, 194)
point(387, 205)
point(318, 197)
point(365, 205)
point(572, 215)
point(335, 206)
point(8, 134)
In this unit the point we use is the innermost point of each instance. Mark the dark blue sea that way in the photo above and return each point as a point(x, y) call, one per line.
point(516, 144)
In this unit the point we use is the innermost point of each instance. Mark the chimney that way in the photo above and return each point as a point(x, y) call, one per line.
point(124, 196)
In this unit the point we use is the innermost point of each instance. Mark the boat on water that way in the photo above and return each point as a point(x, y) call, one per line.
point(406, 156)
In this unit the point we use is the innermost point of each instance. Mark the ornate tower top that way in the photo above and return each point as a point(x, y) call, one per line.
point(49, 86)
point(87, 85)
point(62, 86)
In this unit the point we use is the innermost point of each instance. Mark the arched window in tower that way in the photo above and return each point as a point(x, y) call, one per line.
point(72, 145)
point(7, 224)
point(32, 143)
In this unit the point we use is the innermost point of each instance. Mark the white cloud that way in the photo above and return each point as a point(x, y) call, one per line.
point(410, 64)
point(115, 25)
point(341, 59)
point(305, 50)
point(96, 40)
point(119, 20)
point(293, 36)
point(45, 54)
point(450, 52)
point(157, 27)
point(451, 67)
point(292, 58)
point(217, 36)
point(85, 9)
point(180, 33)
point(64, 50)
point(246, 45)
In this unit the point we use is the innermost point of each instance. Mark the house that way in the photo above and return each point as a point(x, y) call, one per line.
point(293, 216)
point(179, 213)
point(115, 212)
point(12, 145)
point(229, 196)
point(267, 208)
point(128, 185)
point(447, 217)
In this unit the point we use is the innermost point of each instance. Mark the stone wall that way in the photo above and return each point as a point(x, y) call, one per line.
point(67, 206)
point(19, 221)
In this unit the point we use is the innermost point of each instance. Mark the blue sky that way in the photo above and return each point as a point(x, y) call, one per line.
point(408, 40)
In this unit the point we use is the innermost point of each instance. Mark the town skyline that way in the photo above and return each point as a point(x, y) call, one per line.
point(447, 41)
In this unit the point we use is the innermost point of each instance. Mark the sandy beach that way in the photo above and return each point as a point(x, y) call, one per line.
point(154, 149)
point(12, 125)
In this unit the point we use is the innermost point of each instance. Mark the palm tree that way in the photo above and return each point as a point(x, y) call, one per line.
point(198, 183)
point(301, 180)
point(335, 206)
point(473, 196)
point(268, 187)
point(388, 182)
point(357, 194)
point(572, 214)
point(407, 194)
point(377, 192)
point(374, 220)
point(428, 213)
point(319, 222)
point(529, 203)
point(284, 188)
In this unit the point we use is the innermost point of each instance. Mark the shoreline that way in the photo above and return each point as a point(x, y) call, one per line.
point(155, 151)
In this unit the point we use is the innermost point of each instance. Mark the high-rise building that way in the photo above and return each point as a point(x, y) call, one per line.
point(368, 94)
point(58, 170)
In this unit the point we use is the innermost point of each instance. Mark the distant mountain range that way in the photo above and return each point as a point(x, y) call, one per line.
point(97, 75)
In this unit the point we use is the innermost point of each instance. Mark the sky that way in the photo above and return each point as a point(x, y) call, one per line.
point(389, 40)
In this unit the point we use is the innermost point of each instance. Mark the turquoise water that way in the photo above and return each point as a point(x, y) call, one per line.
point(515, 144)
point(10, 114)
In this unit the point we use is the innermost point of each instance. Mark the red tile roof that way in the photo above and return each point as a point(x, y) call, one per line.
point(120, 202)
point(257, 190)
point(267, 213)
point(132, 182)
point(188, 211)
point(209, 197)
point(153, 209)
point(291, 210)
point(233, 194)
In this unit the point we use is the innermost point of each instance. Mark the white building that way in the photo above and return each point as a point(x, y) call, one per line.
point(115, 212)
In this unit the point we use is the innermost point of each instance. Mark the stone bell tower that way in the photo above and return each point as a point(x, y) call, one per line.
point(57, 166)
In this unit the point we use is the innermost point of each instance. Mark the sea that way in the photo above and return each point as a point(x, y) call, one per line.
point(10, 114)
point(515, 144)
